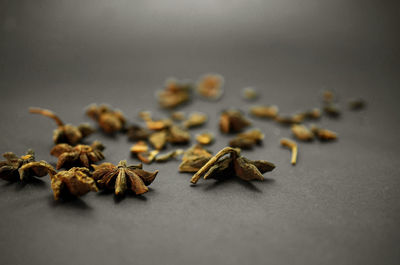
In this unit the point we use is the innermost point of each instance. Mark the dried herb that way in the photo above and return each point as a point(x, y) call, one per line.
point(210, 86)
point(302, 132)
point(137, 133)
point(332, 110)
point(139, 147)
point(249, 93)
point(122, 177)
point(232, 121)
point(65, 133)
point(23, 168)
point(174, 93)
point(178, 116)
point(195, 119)
point(205, 138)
point(111, 121)
point(293, 147)
point(76, 182)
point(158, 139)
point(155, 125)
point(80, 155)
point(314, 114)
point(247, 140)
point(148, 156)
point(194, 158)
point(178, 135)
point(290, 119)
point(169, 155)
point(263, 111)
point(323, 134)
point(233, 165)
point(357, 104)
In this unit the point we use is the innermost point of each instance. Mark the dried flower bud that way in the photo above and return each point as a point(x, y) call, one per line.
point(331, 110)
point(247, 139)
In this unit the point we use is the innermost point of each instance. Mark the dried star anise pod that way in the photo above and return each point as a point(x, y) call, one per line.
point(110, 121)
point(210, 86)
point(24, 167)
point(76, 182)
point(194, 158)
point(263, 111)
point(247, 140)
point(80, 155)
point(178, 135)
point(122, 177)
point(323, 134)
point(174, 93)
point(302, 132)
point(232, 121)
point(195, 119)
point(65, 133)
point(137, 133)
point(233, 165)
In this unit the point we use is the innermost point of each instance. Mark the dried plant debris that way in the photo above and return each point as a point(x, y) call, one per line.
point(357, 104)
point(232, 121)
point(76, 182)
point(109, 120)
point(195, 119)
point(289, 119)
point(139, 147)
point(178, 135)
point(235, 164)
point(194, 158)
point(158, 139)
point(328, 96)
point(205, 138)
point(332, 110)
point(122, 177)
point(168, 156)
point(264, 111)
point(312, 114)
point(210, 86)
point(292, 145)
point(302, 133)
point(178, 116)
point(154, 125)
point(323, 134)
point(249, 93)
point(16, 168)
point(142, 152)
point(137, 133)
point(80, 155)
point(247, 139)
point(65, 133)
point(174, 93)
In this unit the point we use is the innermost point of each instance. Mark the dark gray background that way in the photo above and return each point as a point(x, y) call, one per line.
point(339, 205)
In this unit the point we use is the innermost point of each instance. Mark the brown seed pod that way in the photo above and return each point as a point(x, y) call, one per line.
point(194, 158)
point(122, 177)
point(247, 139)
point(76, 182)
point(232, 121)
point(110, 121)
point(65, 133)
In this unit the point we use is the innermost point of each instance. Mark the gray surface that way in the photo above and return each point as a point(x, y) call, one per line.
point(339, 205)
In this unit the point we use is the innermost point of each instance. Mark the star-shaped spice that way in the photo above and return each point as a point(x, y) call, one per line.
point(24, 167)
point(122, 177)
point(233, 165)
point(194, 158)
point(80, 155)
point(111, 121)
point(247, 139)
point(76, 182)
point(65, 133)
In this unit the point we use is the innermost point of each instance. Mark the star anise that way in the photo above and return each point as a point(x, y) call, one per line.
point(80, 155)
point(122, 177)
point(76, 182)
point(24, 167)
point(232, 121)
point(194, 158)
point(233, 165)
point(111, 121)
point(65, 133)
point(247, 139)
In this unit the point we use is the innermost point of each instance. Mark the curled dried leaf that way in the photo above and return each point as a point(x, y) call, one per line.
point(137, 133)
point(178, 135)
point(139, 147)
point(357, 104)
point(247, 139)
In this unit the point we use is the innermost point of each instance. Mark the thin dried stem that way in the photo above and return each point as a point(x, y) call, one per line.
point(47, 113)
point(293, 146)
point(212, 161)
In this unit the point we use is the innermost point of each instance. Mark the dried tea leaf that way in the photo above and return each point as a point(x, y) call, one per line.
point(147, 157)
point(302, 132)
point(158, 139)
point(121, 178)
point(178, 135)
point(109, 120)
point(232, 121)
point(262, 165)
point(195, 119)
point(65, 133)
point(205, 138)
point(210, 86)
point(293, 147)
point(323, 134)
point(264, 111)
point(169, 155)
point(76, 182)
point(249, 93)
point(174, 94)
point(80, 155)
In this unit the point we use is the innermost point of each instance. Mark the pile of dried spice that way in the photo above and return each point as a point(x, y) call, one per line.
point(81, 174)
